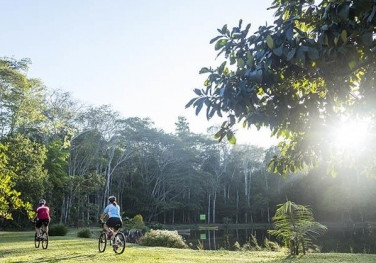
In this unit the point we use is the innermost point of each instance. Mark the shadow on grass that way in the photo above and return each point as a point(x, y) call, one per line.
point(78, 258)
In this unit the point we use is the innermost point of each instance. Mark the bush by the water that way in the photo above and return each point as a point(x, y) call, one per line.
point(253, 245)
point(57, 230)
point(84, 233)
point(163, 238)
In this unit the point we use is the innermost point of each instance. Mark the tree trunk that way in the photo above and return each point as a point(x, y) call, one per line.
point(214, 203)
point(237, 207)
point(209, 209)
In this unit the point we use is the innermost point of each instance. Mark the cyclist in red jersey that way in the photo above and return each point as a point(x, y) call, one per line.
point(42, 217)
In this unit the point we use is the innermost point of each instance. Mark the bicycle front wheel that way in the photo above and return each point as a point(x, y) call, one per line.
point(102, 242)
point(36, 241)
point(45, 241)
point(119, 243)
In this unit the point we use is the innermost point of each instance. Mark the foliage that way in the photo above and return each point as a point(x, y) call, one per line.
point(10, 199)
point(295, 227)
point(163, 238)
point(57, 230)
point(56, 165)
point(236, 246)
point(25, 161)
point(84, 233)
point(21, 98)
point(155, 226)
point(138, 221)
point(271, 246)
point(299, 76)
point(252, 244)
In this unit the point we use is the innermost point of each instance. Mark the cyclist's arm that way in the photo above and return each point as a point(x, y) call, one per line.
point(103, 215)
point(35, 216)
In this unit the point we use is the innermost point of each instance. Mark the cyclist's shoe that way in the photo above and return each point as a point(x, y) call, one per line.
point(115, 247)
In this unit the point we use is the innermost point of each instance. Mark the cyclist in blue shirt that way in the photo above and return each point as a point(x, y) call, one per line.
point(114, 218)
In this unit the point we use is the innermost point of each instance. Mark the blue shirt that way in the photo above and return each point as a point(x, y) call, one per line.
point(112, 211)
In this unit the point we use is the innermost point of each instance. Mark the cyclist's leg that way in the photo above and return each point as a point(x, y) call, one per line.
point(38, 225)
point(117, 225)
point(112, 225)
point(106, 228)
point(46, 226)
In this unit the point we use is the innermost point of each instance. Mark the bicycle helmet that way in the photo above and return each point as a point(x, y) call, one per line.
point(111, 198)
point(42, 202)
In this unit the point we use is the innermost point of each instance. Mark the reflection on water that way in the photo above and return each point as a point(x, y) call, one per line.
point(222, 238)
point(335, 240)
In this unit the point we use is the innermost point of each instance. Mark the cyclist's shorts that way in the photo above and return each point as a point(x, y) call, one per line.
point(41, 222)
point(114, 222)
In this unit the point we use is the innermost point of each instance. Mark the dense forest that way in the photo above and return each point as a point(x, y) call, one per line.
point(74, 155)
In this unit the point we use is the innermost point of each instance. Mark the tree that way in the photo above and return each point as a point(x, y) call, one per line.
point(25, 159)
point(10, 199)
point(300, 76)
point(295, 226)
point(20, 98)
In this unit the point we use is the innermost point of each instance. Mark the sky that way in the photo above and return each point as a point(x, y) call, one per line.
point(141, 57)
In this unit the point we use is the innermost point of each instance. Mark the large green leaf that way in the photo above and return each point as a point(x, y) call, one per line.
point(278, 51)
point(215, 39)
point(270, 42)
point(220, 44)
point(231, 137)
point(290, 54)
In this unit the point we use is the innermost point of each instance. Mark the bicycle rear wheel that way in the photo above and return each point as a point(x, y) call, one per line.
point(119, 243)
point(45, 241)
point(36, 241)
point(102, 242)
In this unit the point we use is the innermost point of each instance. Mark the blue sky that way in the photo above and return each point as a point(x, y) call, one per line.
point(142, 57)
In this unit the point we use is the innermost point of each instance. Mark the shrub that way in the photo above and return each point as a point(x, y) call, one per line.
point(163, 238)
point(57, 230)
point(295, 227)
point(138, 221)
point(84, 233)
point(237, 246)
point(252, 244)
point(200, 245)
point(271, 246)
point(156, 226)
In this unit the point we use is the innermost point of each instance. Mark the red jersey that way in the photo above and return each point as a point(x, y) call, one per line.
point(43, 212)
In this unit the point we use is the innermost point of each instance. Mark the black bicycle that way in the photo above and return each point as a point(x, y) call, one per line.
point(117, 242)
point(43, 237)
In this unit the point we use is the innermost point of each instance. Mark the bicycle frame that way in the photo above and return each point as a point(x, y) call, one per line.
point(43, 239)
point(117, 241)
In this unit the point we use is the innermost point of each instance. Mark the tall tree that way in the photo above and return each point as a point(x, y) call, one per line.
point(21, 98)
point(25, 161)
point(299, 76)
point(10, 199)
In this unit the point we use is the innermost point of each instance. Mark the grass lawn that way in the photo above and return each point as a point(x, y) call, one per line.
point(19, 247)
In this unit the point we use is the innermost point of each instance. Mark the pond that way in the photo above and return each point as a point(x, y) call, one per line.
point(337, 239)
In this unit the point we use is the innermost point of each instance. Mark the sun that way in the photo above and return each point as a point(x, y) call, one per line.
point(351, 134)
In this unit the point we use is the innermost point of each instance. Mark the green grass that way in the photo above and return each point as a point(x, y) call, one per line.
point(19, 247)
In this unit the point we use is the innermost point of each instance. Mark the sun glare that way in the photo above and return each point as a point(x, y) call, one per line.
point(351, 135)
